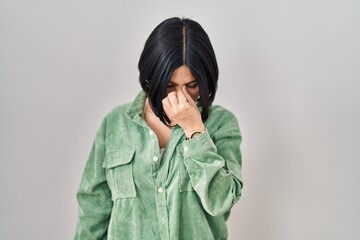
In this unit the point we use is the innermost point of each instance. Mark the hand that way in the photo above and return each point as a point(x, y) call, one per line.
point(182, 110)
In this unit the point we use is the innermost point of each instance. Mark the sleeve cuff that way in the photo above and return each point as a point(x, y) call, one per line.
point(198, 145)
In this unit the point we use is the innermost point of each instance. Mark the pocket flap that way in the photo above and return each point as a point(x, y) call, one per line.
point(119, 157)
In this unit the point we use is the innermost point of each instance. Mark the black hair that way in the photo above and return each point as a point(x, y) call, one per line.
point(173, 43)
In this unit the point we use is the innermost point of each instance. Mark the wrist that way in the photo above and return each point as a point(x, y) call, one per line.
point(194, 132)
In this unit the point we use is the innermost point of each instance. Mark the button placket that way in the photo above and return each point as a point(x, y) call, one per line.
point(161, 182)
point(162, 211)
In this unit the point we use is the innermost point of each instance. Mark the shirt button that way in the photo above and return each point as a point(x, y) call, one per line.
point(155, 158)
point(185, 149)
point(151, 133)
point(160, 190)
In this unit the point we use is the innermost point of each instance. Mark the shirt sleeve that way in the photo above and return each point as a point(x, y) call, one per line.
point(214, 166)
point(94, 196)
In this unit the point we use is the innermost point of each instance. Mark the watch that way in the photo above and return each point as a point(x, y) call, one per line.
point(195, 133)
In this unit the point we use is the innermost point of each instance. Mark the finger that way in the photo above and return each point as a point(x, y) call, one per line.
point(187, 96)
point(169, 110)
point(173, 99)
point(180, 95)
point(166, 104)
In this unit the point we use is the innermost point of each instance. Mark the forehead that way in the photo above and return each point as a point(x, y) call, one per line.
point(182, 75)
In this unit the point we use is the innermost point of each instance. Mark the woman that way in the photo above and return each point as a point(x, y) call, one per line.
point(167, 165)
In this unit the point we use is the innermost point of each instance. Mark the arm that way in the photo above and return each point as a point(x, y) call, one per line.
point(94, 196)
point(214, 166)
point(213, 163)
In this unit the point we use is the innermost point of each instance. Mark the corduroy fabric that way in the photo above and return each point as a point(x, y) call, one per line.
point(129, 192)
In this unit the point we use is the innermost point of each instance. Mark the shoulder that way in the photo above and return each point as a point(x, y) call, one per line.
point(130, 110)
point(221, 118)
point(115, 116)
point(117, 112)
point(218, 112)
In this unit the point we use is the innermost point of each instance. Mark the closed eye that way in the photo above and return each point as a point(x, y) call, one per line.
point(192, 84)
point(170, 86)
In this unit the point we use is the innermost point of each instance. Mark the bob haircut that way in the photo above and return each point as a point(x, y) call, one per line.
point(173, 43)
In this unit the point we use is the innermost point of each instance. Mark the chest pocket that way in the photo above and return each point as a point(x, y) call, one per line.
point(119, 172)
point(184, 178)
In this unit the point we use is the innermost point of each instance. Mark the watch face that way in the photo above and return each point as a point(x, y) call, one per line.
point(195, 134)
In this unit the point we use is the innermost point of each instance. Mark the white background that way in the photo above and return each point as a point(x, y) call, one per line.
point(289, 70)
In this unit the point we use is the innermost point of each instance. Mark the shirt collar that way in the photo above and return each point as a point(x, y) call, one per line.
point(136, 110)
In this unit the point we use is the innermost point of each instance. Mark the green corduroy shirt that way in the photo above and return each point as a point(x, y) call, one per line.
point(128, 191)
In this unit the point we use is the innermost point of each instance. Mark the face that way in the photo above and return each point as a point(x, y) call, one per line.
point(183, 77)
